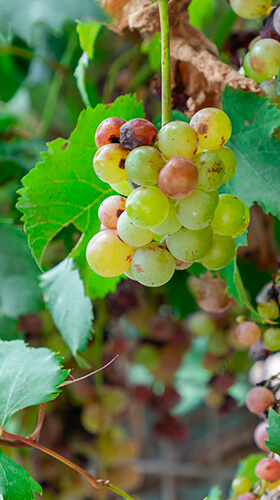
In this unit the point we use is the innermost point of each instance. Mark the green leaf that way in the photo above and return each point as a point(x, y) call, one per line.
point(273, 431)
point(88, 33)
point(257, 177)
point(71, 310)
point(246, 467)
point(21, 18)
point(64, 189)
point(15, 482)
point(278, 83)
point(215, 493)
point(80, 75)
point(8, 328)
point(201, 12)
point(152, 48)
point(19, 286)
point(28, 376)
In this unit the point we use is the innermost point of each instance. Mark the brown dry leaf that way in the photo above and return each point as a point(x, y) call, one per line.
point(195, 67)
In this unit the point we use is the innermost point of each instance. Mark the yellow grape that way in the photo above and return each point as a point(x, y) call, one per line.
point(107, 255)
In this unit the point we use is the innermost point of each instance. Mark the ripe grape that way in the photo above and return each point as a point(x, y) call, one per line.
point(260, 436)
point(178, 178)
point(109, 163)
point(250, 9)
point(196, 211)
point(268, 309)
point(271, 339)
point(177, 139)
point(107, 255)
point(171, 223)
point(248, 333)
point(263, 60)
point(147, 207)
point(230, 162)
point(241, 485)
point(211, 170)
point(212, 126)
point(189, 245)
point(153, 265)
point(220, 254)
point(268, 469)
point(259, 399)
point(143, 165)
point(110, 210)
point(121, 187)
point(230, 215)
point(137, 132)
point(132, 234)
point(108, 131)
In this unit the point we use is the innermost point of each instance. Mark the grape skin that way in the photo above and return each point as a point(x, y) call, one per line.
point(271, 339)
point(178, 178)
point(110, 210)
point(153, 265)
point(268, 469)
point(241, 485)
point(177, 138)
point(220, 254)
point(260, 436)
point(211, 170)
point(230, 162)
point(147, 207)
point(137, 132)
point(196, 211)
point(268, 309)
point(263, 60)
point(212, 126)
point(131, 234)
point(143, 165)
point(171, 223)
point(108, 131)
point(188, 245)
point(250, 9)
point(107, 255)
point(121, 187)
point(109, 163)
point(248, 333)
point(230, 216)
point(259, 399)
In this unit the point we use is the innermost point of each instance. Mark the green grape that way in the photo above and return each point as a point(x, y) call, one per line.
point(143, 165)
point(121, 188)
point(215, 196)
point(153, 265)
point(230, 216)
point(248, 68)
point(241, 485)
point(171, 223)
point(188, 245)
point(263, 59)
point(177, 139)
point(147, 207)
point(250, 9)
point(132, 234)
point(109, 163)
point(196, 211)
point(221, 253)
point(268, 309)
point(271, 339)
point(270, 89)
point(230, 162)
point(218, 344)
point(107, 255)
point(199, 323)
point(129, 274)
point(211, 170)
point(212, 126)
point(245, 224)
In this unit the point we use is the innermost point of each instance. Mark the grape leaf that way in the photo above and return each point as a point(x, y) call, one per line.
point(15, 482)
point(88, 33)
point(71, 310)
point(246, 467)
point(64, 189)
point(257, 177)
point(273, 431)
point(20, 18)
point(28, 377)
point(19, 286)
point(215, 493)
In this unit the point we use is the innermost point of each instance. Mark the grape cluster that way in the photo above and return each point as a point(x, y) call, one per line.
point(168, 212)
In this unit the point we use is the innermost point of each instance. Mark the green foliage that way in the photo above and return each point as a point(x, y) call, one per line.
point(153, 50)
point(88, 32)
point(71, 310)
point(254, 120)
point(19, 287)
point(15, 482)
point(21, 18)
point(201, 12)
point(247, 466)
point(28, 377)
point(64, 189)
point(273, 431)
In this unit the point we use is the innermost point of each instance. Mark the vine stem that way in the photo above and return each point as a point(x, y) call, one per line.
point(165, 63)
point(98, 484)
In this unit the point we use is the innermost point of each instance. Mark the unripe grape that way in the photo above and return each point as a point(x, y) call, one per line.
point(212, 126)
point(107, 255)
point(188, 245)
point(178, 178)
point(110, 211)
point(268, 309)
point(196, 211)
point(248, 333)
point(263, 59)
point(177, 139)
point(241, 485)
point(259, 399)
point(132, 234)
point(109, 163)
point(171, 224)
point(271, 339)
point(220, 254)
point(108, 131)
point(268, 469)
point(147, 207)
point(230, 215)
point(250, 9)
point(211, 170)
point(153, 265)
point(230, 162)
point(143, 165)
point(121, 187)
point(137, 132)
point(260, 436)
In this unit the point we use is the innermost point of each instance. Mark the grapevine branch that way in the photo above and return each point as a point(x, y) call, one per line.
point(165, 63)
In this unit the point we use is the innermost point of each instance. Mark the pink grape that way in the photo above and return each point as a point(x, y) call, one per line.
point(178, 178)
point(248, 333)
point(260, 436)
point(268, 469)
point(259, 399)
point(110, 210)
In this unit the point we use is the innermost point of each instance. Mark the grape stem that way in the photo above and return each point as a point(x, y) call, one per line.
point(165, 63)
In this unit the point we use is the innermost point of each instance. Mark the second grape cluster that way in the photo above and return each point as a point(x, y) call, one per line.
point(168, 213)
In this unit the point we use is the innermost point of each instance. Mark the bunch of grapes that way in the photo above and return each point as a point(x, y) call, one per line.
point(259, 400)
point(168, 212)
